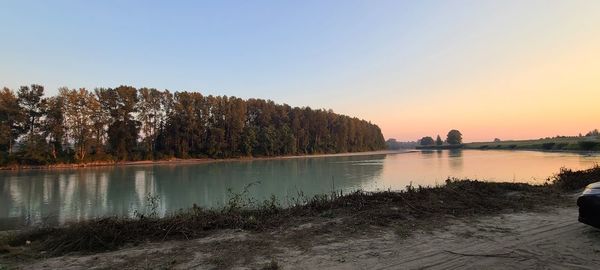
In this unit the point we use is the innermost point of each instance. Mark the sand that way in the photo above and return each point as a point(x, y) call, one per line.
point(529, 240)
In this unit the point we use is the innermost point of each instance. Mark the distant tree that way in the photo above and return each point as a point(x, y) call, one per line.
point(427, 141)
point(497, 140)
point(53, 126)
point(594, 132)
point(438, 141)
point(78, 111)
point(454, 137)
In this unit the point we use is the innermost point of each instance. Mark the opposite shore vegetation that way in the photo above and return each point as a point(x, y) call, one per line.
point(128, 124)
point(581, 143)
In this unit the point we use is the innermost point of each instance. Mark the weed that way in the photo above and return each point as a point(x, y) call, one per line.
point(150, 208)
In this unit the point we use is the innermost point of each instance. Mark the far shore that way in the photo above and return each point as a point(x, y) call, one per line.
point(180, 161)
point(437, 148)
point(589, 144)
point(177, 161)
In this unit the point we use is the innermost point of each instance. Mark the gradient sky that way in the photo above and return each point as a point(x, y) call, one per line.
point(507, 69)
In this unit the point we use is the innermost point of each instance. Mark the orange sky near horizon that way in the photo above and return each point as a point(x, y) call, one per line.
point(553, 96)
point(536, 91)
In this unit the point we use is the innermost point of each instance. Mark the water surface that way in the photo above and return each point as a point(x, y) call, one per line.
point(56, 196)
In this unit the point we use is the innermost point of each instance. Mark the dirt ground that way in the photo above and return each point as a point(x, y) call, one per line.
point(530, 240)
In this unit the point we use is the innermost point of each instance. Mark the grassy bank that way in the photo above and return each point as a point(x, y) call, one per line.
point(548, 144)
point(413, 208)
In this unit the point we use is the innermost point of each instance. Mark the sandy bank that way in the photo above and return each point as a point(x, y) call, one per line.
point(527, 240)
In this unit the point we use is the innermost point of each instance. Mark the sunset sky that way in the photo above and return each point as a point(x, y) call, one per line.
point(506, 69)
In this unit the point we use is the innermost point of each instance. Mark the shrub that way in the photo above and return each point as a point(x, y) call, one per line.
point(548, 146)
point(570, 180)
point(588, 145)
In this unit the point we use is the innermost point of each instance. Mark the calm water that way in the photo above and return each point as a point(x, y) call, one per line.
point(56, 196)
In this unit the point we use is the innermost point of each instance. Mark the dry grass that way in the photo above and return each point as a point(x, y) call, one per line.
point(570, 180)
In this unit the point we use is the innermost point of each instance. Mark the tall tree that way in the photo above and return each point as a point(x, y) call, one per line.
point(438, 141)
point(151, 115)
point(123, 130)
point(11, 120)
point(80, 106)
point(33, 147)
point(30, 99)
point(53, 126)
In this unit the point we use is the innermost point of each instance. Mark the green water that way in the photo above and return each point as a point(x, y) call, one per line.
point(57, 196)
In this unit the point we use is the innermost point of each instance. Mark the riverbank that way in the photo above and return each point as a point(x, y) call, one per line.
point(304, 227)
point(176, 161)
point(558, 144)
point(550, 239)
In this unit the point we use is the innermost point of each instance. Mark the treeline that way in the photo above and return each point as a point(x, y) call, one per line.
point(393, 144)
point(127, 124)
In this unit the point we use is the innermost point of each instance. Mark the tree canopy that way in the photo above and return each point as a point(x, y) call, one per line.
point(454, 137)
point(426, 141)
point(125, 123)
point(438, 141)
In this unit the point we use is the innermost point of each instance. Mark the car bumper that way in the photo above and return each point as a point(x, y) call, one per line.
point(589, 210)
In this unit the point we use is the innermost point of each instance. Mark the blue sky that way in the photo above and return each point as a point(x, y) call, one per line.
point(397, 63)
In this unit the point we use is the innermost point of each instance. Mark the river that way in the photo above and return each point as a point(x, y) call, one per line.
point(56, 196)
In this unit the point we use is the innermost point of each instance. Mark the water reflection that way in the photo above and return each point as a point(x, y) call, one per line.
point(62, 195)
point(455, 159)
point(59, 196)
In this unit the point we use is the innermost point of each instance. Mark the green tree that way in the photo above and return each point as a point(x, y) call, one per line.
point(31, 102)
point(454, 137)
